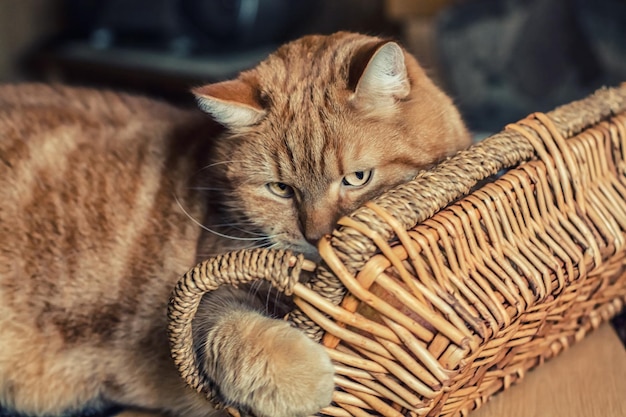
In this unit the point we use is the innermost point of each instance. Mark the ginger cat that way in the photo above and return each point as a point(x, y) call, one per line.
point(106, 199)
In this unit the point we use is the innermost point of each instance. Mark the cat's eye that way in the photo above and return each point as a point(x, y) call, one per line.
point(280, 189)
point(357, 179)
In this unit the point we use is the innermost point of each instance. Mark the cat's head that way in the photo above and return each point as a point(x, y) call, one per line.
point(321, 126)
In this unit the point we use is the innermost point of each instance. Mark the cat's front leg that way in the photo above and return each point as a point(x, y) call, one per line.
point(262, 364)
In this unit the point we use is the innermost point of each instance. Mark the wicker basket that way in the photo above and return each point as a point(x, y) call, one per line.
point(447, 289)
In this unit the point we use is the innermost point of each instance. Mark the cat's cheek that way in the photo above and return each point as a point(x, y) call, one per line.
point(277, 219)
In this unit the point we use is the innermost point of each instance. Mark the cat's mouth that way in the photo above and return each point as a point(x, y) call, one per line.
point(302, 246)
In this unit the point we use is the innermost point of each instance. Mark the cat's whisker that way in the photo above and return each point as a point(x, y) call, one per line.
point(277, 296)
point(220, 163)
point(232, 224)
point(235, 226)
point(238, 226)
point(214, 231)
point(255, 288)
point(262, 245)
point(267, 301)
point(250, 232)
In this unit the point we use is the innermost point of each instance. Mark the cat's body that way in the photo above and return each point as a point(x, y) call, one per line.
point(102, 194)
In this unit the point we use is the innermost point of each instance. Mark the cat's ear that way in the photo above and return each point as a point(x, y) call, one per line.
point(232, 103)
point(382, 78)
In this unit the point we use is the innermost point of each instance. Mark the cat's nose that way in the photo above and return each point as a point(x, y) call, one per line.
point(314, 236)
point(316, 224)
point(314, 231)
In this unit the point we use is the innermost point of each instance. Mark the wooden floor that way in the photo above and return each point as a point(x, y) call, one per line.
point(587, 380)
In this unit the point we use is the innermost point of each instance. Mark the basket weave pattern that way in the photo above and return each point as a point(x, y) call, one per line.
point(447, 289)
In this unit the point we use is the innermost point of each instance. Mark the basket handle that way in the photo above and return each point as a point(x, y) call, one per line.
point(280, 267)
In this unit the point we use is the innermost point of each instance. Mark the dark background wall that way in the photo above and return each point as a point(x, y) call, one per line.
point(499, 59)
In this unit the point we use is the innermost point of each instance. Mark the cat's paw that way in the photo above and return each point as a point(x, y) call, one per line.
point(276, 371)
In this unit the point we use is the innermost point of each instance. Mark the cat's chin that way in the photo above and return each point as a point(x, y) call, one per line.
point(309, 251)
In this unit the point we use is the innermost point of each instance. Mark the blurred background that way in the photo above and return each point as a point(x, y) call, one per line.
point(498, 59)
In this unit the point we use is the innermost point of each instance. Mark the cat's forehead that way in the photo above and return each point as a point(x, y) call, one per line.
point(316, 150)
point(308, 69)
